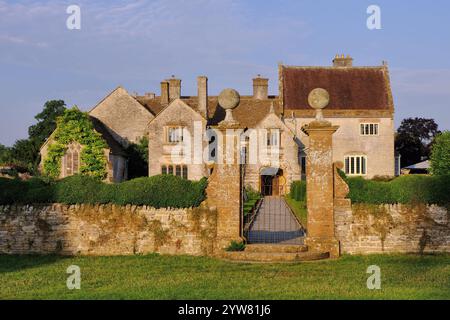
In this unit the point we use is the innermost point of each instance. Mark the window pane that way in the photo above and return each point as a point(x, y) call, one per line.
point(347, 166)
point(371, 129)
point(376, 129)
point(185, 172)
point(178, 171)
point(75, 162)
point(170, 169)
point(363, 169)
point(163, 170)
point(362, 129)
point(68, 163)
point(358, 165)
point(352, 165)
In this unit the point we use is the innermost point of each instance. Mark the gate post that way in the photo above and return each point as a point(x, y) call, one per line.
point(320, 179)
point(224, 185)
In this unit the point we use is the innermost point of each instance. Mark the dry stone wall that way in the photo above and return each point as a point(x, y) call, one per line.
point(415, 228)
point(106, 230)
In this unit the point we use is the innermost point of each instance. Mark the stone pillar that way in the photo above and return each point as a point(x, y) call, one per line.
point(320, 188)
point(224, 184)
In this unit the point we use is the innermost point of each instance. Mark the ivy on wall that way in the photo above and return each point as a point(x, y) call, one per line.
point(76, 126)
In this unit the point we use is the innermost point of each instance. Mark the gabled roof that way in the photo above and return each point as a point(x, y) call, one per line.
point(249, 112)
point(114, 146)
point(425, 165)
point(350, 88)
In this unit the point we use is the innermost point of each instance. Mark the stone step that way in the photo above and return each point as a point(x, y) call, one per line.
point(244, 256)
point(275, 248)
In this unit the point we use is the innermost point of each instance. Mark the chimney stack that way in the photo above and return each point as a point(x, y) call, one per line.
point(202, 85)
point(260, 88)
point(342, 61)
point(164, 92)
point(174, 88)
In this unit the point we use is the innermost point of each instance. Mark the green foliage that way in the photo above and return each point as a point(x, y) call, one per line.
point(158, 191)
point(405, 189)
point(5, 154)
point(138, 159)
point(298, 191)
point(25, 152)
point(75, 125)
point(161, 192)
point(414, 139)
point(236, 246)
point(252, 194)
point(440, 154)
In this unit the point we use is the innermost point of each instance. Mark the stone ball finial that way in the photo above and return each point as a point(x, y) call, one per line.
point(318, 99)
point(229, 99)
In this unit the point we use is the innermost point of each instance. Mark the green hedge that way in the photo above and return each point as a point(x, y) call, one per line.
point(405, 189)
point(158, 191)
point(298, 190)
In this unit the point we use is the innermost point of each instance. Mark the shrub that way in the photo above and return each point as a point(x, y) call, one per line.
point(158, 191)
point(252, 194)
point(405, 189)
point(236, 246)
point(440, 154)
point(161, 192)
point(298, 191)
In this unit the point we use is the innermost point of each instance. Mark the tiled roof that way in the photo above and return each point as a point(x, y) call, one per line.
point(249, 112)
point(353, 88)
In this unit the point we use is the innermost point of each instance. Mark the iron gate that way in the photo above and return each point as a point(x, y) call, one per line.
point(272, 220)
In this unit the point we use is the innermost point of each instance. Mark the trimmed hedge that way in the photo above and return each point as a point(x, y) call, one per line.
point(298, 191)
point(405, 189)
point(158, 191)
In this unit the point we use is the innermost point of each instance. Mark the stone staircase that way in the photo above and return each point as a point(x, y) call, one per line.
point(273, 253)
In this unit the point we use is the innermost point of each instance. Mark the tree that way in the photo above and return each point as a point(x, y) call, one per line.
point(414, 139)
point(138, 159)
point(440, 154)
point(39, 132)
point(5, 154)
point(25, 152)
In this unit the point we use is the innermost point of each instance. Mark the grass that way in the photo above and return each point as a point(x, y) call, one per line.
point(182, 277)
point(299, 209)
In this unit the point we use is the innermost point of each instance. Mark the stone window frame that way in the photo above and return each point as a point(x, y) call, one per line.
point(179, 170)
point(73, 153)
point(167, 134)
point(357, 162)
point(269, 137)
point(366, 130)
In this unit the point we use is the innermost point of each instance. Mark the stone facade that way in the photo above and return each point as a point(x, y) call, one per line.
point(162, 151)
point(348, 141)
point(415, 228)
point(126, 118)
point(106, 230)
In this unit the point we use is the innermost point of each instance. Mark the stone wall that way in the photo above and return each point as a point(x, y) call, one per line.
point(106, 230)
point(419, 228)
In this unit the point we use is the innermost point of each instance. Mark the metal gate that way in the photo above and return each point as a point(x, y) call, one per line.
point(272, 221)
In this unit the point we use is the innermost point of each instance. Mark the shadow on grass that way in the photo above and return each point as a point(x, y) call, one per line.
point(12, 263)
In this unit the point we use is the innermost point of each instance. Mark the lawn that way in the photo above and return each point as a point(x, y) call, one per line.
point(165, 277)
point(299, 209)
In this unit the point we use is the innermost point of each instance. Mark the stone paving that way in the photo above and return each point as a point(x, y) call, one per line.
point(275, 223)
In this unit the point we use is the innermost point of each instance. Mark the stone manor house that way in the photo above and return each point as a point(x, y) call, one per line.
point(361, 104)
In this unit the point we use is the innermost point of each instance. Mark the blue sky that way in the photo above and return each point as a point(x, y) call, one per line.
point(138, 43)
